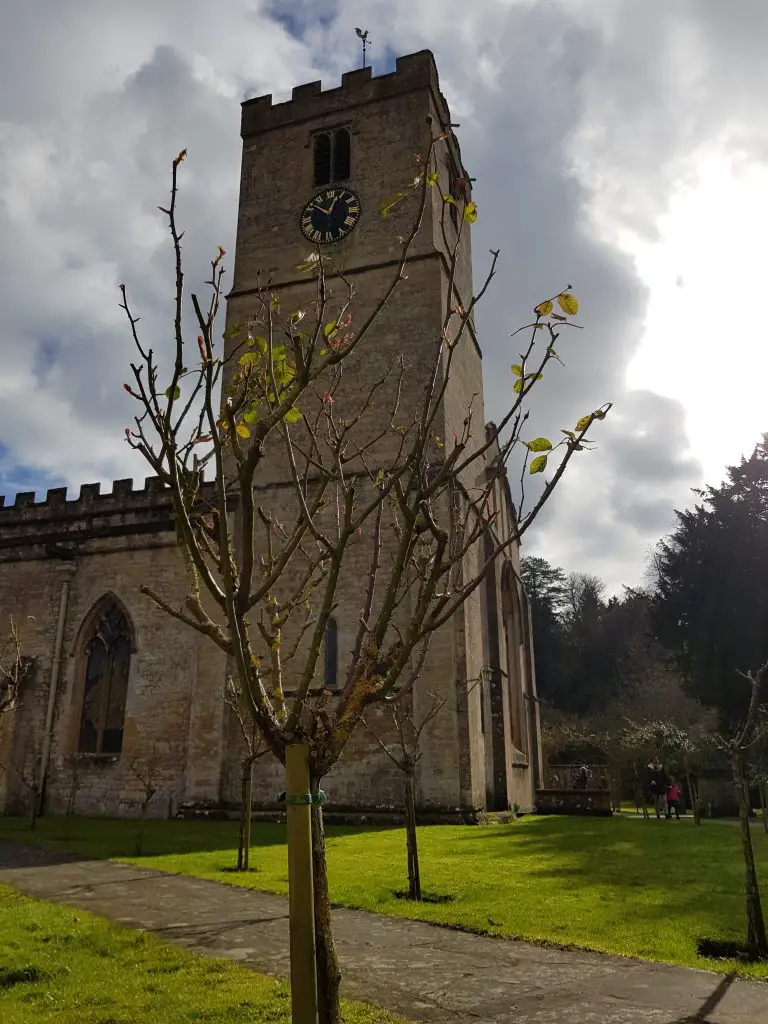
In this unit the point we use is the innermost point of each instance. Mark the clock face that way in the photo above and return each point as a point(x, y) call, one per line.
point(330, 215)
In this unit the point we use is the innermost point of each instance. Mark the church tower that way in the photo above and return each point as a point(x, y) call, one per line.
point(363, 141)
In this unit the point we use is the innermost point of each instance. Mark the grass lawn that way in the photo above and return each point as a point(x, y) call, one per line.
point(647, 889)
point(69, 967)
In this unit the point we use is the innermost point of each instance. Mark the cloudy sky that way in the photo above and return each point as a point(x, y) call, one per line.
point(620, 147)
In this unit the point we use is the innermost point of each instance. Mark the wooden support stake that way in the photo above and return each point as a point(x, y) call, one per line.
point(301, 903)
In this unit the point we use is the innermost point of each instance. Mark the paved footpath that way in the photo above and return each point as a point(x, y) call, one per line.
point(423, 972)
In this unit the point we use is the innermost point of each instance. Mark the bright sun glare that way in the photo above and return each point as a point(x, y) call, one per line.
point(704, 339)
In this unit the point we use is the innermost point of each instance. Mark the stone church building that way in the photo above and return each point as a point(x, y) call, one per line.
point(115, 684)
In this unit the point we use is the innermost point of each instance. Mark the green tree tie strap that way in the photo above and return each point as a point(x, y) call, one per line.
point(300, 799)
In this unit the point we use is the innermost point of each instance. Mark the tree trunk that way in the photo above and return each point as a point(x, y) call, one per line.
point(328, 972)
point(241, 827)
point(693, 796)
point(247, 819)
point(640, 789)
point(757, 941)
point(763, 803)
point(33, 808)
point(140, 833)
point(414, 877)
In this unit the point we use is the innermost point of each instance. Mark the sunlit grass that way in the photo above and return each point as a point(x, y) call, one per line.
point(64, 966)
point(649, 889)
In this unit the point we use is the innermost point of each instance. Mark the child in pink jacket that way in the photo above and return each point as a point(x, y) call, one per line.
point(674, 798)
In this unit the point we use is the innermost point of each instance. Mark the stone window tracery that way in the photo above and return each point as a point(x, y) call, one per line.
point(107, 661)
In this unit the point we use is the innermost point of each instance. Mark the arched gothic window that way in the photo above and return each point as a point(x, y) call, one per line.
point(331, 654)
point(107, 661)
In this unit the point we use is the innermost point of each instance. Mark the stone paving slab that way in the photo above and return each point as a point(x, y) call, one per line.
point(421, 971)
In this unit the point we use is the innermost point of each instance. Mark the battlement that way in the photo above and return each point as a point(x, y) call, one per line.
point(30, 529)
point(122, 498)
point(412, 72)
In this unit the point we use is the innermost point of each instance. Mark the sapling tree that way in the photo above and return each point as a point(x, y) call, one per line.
point(371, 480)
point(405, 754)
point(13, 668)
point(14, 671)
point(737, 747)
point(26, 769)
point(145, 771)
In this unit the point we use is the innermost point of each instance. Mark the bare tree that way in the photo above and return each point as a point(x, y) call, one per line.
point(254, 748)
point(365, 469)
point(406, 757)
point(14, 672)
point(146, 773)
point(737, 747)
point(13, 668)
point(27, 774)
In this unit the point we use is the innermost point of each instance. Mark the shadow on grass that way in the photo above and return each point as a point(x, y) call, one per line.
point(104, 838)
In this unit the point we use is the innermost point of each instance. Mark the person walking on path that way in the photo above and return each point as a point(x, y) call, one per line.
point(674, 797)
point(657, 778)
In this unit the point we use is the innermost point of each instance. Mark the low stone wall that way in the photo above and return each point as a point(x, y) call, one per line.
point(382, 817)
point(578, 801)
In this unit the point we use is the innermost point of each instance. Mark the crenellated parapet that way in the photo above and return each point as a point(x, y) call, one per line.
point(57, 526)
point(309, 101)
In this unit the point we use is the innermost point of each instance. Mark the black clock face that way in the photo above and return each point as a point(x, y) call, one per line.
point(330, 215)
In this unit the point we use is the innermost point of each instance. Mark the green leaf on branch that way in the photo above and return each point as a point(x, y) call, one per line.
point(518, 386)
point(539, 464)
point(544, 308)
point(470, 213)
point(253, 414)
point(517, 369)
point(432, 178)
point(569, 433)
point(176, 393)
point(448, 198)
point(387, 205)
point(583, 423)
point(330, 329)
point(293, 415)
point(540, 444)
point(233, 331)
point(242, 430)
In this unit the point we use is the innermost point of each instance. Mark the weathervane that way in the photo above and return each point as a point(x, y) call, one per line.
point(363, 36)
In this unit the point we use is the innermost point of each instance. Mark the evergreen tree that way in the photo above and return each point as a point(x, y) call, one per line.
point(710, 606)
point(546, 587)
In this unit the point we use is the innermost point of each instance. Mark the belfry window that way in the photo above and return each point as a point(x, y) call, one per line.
point(331, 654)
point(107, 660)
point(331, 155)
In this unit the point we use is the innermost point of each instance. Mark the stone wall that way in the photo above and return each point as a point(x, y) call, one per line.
point(109, 545)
